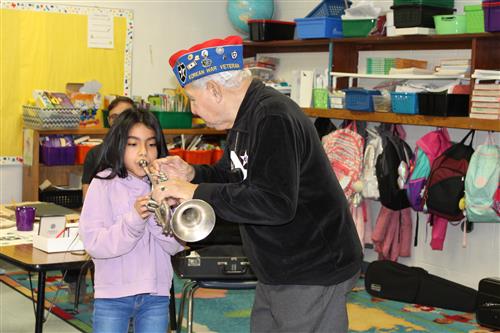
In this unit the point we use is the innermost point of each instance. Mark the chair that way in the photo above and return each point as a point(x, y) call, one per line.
point(191, 286)
point(89, 265)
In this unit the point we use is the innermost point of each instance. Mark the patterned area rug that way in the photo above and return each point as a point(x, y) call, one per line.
point(228, 311)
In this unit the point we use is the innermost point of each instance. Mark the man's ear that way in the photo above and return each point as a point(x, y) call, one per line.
point(215, 89)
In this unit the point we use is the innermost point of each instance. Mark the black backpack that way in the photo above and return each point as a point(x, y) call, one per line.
point(395, 151)
point(446, 182)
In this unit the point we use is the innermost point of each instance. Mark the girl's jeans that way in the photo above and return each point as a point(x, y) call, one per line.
point(149, 314)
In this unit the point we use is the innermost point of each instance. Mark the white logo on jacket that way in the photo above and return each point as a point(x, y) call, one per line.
point(237, 164)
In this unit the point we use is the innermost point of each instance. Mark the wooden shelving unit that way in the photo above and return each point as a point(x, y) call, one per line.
point(251, 48)
point(59, 174)
point(103, 131)
point(419, 120)
point(344, 55)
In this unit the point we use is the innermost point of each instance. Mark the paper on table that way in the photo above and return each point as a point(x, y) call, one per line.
point(10, 236)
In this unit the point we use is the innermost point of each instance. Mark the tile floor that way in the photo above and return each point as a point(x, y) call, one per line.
point(16, 312)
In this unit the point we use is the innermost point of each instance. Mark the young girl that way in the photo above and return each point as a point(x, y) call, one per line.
point(133, 272)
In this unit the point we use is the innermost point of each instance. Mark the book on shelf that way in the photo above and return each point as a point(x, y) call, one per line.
point(488, 105)
point(42, 99)
point(486, 74)
point(484, 115)
point(476, 98)
point(445, 71)
point(486, 92)
point(476, 109)
point(487, 86)
point(60, 100)
point(454, 62)
point(410, 70)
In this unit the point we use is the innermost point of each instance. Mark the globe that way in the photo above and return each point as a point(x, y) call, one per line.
point(240, 11)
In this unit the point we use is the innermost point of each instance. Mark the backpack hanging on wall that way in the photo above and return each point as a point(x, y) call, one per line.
point(344, 148)
point(369, 177)
point(396, 156)
point(445, 186)
point(428, 148)
point(481, 183)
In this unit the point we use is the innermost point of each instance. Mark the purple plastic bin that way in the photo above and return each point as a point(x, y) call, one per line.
point(491, 16)
point(58, 155)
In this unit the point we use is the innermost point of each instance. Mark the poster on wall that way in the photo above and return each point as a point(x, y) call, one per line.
point(100, 31)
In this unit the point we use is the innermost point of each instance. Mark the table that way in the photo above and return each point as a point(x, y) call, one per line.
point(31, 259)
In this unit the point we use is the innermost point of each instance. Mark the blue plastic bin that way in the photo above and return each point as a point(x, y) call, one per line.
point(359, 99)
point(323, 21)
point(404, 102)
point(319, 27)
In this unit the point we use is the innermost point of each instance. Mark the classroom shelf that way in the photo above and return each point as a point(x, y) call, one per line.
point(104, 131)
point(418, 120)
point(58, 175)
point(397, 76)
point(251, 48)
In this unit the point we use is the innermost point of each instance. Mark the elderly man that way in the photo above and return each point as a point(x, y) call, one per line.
point(275, 181)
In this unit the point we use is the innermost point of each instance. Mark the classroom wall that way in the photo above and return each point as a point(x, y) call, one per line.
point(161, 28)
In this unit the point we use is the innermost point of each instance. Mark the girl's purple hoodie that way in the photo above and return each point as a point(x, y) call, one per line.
point(131, 255)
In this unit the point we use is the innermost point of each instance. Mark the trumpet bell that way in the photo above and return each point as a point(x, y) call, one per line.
point(193, 220)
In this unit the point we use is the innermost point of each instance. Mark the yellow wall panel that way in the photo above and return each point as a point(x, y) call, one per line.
point(43, 50)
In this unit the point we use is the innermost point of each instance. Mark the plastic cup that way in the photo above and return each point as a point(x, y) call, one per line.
point(25, 217)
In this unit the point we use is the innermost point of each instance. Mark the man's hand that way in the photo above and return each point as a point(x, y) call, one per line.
point(175, 190)
point(174, 167)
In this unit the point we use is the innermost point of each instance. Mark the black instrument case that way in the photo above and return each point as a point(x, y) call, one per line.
point(488, 303)
point(220, 256)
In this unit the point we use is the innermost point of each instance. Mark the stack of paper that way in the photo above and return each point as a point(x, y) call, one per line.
point(486, 101)
point(453, 67)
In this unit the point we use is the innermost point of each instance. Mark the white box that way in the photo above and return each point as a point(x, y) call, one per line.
point(62, 244)
point(393, 31)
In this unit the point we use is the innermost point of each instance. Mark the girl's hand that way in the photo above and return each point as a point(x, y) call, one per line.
point(141, 208)
point(174, 167)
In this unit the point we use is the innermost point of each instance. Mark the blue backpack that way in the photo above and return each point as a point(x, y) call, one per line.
point(481, 183)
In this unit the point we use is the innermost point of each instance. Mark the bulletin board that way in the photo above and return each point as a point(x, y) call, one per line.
point(44, 46)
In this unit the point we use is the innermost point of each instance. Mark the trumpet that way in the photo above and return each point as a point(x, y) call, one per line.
point(191, 221)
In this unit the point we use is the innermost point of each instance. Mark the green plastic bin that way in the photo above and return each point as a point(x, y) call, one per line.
point(174, 119)
point(474, 18)
point(357, 28)
point(449, 24)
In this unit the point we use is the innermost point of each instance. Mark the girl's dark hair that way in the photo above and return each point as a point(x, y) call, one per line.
point(113, 147)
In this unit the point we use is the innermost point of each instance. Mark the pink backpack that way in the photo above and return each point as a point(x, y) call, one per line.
point(428, 148)
point(344, 148)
